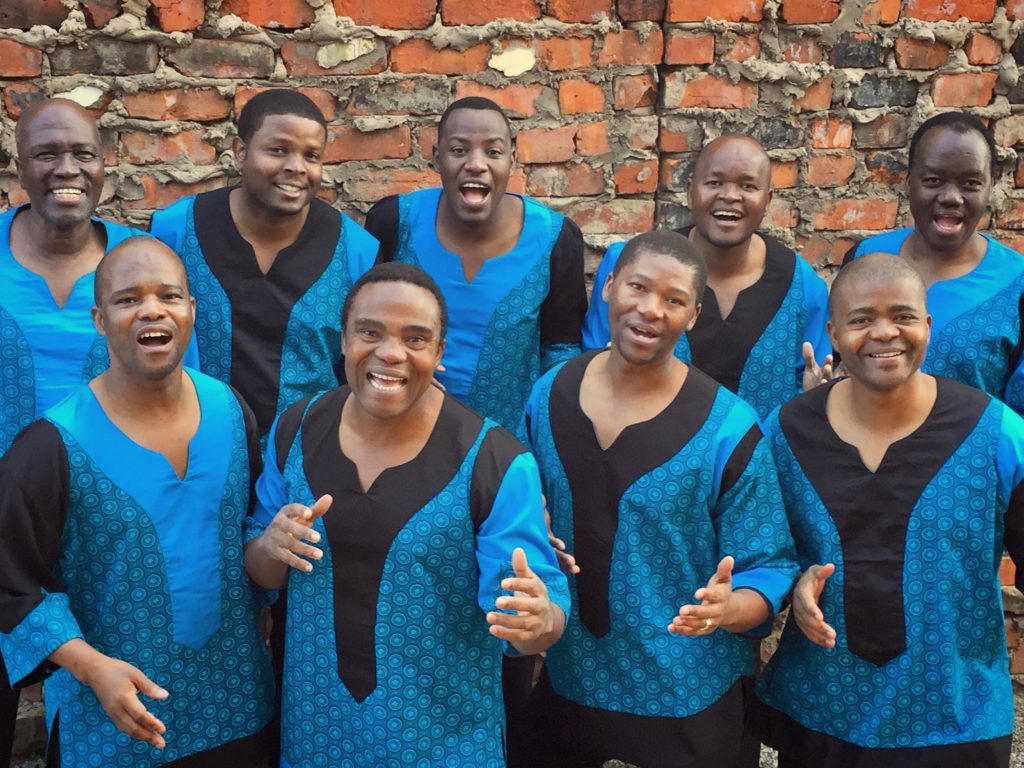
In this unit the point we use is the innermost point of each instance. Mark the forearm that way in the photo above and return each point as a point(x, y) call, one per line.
point(546, 640)
point(264, 570)
point(77, 657)
point(745, 610)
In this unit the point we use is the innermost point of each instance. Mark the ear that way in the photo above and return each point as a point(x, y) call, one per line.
point(239, 150)
point(515, 157)
point(693, 320)
point(434, 163)
point(832, 333)
point(97, 321)
point(606, 290)
point(344, 336)
point(440, 352)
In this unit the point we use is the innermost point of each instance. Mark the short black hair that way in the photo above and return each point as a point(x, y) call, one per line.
point(958, 122)
point(276, 101)
point(396, 272)
point(666, 242)
point(885, 267)
point(100, 278)
point(473, 102)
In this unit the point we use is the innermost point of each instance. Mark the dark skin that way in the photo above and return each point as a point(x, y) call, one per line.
point(58, 147)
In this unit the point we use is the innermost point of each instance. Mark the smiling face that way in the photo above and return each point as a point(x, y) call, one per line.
point(652, 301)
point(880, 326)
point(730, 190)
point(281, 165)
point(949, 187)
point(144, 308)
point(392, 345)
point(475, 158)
point(60, 162)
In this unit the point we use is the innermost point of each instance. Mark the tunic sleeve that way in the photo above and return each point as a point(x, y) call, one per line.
point(816, 308)
point(596, 331)
point(1010, 471)
point(1013, 393)
point(562, 312)
point(35, 614)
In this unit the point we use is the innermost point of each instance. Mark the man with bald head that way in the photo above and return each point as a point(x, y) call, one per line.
point(49, 249)
point(762, 326)
point(901, 489)
point(121, 573)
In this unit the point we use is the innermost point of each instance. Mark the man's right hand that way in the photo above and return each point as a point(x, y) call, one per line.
point(285, 538)
point(806, 613)
point(117, 684)
point(566, 561)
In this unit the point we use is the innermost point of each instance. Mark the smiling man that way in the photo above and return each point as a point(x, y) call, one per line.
point(975, 284)
point(510, 268)
point(761, 331)
point(659, 482)
point(121, 573)
point(410, 533)
point(901, 489)
point(269, 263)
point(49, 250)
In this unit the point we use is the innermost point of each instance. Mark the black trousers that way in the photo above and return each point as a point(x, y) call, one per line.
point(8, 716)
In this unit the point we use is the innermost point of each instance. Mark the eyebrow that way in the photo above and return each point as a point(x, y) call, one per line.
point(891, 308)
point(365, 322)
point(161, 287)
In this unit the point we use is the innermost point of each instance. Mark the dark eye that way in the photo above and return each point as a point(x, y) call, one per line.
point(84, 156)
point(46, 157)
point(313, 157)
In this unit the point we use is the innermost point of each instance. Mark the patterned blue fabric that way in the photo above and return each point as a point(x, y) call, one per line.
point(976, 323)
point(438, 698)
point(673, 529)
point(773, 372)
point(45, 351)
point(951, 684)
point(131, 557)
point(493, 353)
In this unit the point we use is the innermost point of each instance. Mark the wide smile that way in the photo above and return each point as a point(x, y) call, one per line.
point(948, 224)
point(474, 194)
point(888, 354)
point(67, 195)
point(727, 216)
point(387, 383)
point(155, 339)
point(293, 191)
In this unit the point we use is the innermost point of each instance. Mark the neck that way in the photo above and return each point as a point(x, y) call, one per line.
point(256, 223)
point(56, 242)
point(138, 396)
point(969, 253)
point(412, 426)
point(483, 230)
point(630, 379)
point(731, 260)
point(898, 408)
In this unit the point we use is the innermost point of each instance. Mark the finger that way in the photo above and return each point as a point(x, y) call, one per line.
point(140, 716)
point(523, 622)
point(713, 595)
point(285, 556)
point(567, 563)
point(556, 542)
point(511, 635)
point(129, 727)
point(822, 572)
point(698, 614)
point(723, 574)
point(533, 586)
point(519, 603)
point(519, 564)
point(826, 373)
point(297, 530)
point(299, 549)
point(807, 351)
point(147, 687)
point(321, 505)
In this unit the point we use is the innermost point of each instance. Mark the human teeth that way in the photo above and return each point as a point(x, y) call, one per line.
point(67, 192)
point(385, 383)
point(886, 354)
point(726, 215)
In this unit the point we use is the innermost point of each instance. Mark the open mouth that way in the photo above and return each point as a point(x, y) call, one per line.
point(154, 338)
point(382, 382)
point(644, 334)
point(292, 190)
point(885, 355)
point(727, 216)
point(948, 223)
point(67, 194)
point(474, 193)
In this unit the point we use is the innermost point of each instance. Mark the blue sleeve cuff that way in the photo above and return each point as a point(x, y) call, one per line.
point(773, 584)
point(44, 630)
point(553, 354)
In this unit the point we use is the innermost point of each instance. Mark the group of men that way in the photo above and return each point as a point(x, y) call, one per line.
point(394, 435)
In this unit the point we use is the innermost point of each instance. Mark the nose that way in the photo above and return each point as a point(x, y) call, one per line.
point(729, 192)
point(476, 160)
point(650, 306)
point(151, 307)
point(66, 165)
point(884, 329)
point(295, 162)
point(949, 194)
point(390, 350)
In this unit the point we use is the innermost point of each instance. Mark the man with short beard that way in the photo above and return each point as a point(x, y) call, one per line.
point(49, 250)
point(761, 333)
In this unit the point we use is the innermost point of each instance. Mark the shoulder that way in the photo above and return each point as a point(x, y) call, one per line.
point(117, 232)
point(1009, 262)
point(176, 209)
point(886, 242)
point(8, 216)
point(385, 209)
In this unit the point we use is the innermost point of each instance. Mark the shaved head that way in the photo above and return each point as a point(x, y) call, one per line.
point(739, 142)
point(875, 267)
point(138, 244)
point(40, 108)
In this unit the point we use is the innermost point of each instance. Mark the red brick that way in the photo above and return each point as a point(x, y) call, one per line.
point(592, 138)
point(823, 250)
point(885, 168)
point(1014, 243)
point(803, 50)
point(1018, 174)
point(680, 136)
point(579, 10)
point(19, 60)
point(630, 47)
point(635, 91)
point(199, 104)
point(561, 53)
point(417, 55)
point(883, 12)
point(810, 11)
point(1009, 131)
point(222, 58)
point(963, 89)
point(886, 131)
point(831, 133)
point(636, 177)
point(982, 49)
point(99, 12)
point(323, 98)
point(143, 148)
point(287, 14)
point(1012, 215)
point(724, 10)
point(640, 10)
point(546, 145)
point(1014, 9)
point(785, 175)
point(1007, 571)
point(406, 14)
point(625, 217)
point(830, 170)
point(372, 184)
point(1017, 662)
point(688, 47)
point(345, 142)
point(559, 180)
point(643, 131)
point(816, 98)
point(476, 12)
point(920, 54)
point(781, 214)
point(426, 140)
point(1012, 633)
point(178, 15)
point(706, 90)
point(742, 47)
point(23, 14)
point(517, 100)
point(300, 59)
point(17, 96)
point(158, 193)
point(950, 10)
point(580, 97)
point(872, 214)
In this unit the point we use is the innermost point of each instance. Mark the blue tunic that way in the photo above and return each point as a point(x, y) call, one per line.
point(976, 320)
point(649, 518)
point(388, 658)
point(920, 658)
point(756, 351)
point(516, 318)
point(46, 351)
point(275, 337)
point(103, 541)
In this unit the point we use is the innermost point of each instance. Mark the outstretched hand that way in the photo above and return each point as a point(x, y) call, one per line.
point(806, 612)
point(285, 539)
point(535, 616)
point(713, 611)
point(814, 374)
point(117, 685)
